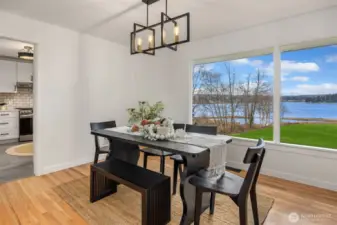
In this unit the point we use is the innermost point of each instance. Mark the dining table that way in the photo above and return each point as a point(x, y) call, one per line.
point(124, 145)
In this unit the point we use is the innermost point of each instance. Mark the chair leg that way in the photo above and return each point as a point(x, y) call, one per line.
point(180, 169)
point(243, 213)
point(254, 206)
point(162, 164)
point(212, 203)
point(198, 206)
point(175, 177)
point(145, 160)
point(96, 158)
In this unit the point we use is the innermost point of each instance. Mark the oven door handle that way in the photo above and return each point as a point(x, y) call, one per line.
point(26, 116)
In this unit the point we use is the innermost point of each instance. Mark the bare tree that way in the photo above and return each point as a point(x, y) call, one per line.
point(233, 92)
point(254, 91)
point(224, 97)
point(196, 87)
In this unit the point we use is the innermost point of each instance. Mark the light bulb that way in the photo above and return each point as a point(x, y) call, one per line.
point(164, 36)
point(150, 41)
point(139, 44)
point(176, 33)
point(140, 41)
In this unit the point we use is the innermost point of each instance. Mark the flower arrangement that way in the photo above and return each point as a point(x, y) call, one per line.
point(159, 130)
point(145, 112)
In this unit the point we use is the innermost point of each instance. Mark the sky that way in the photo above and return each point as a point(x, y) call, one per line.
point(304, 72)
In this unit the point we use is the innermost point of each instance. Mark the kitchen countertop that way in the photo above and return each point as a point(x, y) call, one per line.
point(9, 110)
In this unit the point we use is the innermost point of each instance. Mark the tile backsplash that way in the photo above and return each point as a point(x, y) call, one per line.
point(22, 99)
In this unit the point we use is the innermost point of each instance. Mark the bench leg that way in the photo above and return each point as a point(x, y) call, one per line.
point(156, 205)
point(100, 186)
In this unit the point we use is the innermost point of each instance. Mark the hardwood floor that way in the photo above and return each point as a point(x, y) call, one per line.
point(33, 200)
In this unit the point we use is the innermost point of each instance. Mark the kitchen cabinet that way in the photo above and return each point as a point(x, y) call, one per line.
point(25, 72)
point(8, 77)
point(9, 125)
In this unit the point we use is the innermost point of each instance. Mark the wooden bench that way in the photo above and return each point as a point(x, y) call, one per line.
point(154, 187)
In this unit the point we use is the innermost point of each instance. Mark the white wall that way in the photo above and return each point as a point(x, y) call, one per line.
point(78, 79)
point(294, 164)
point(56, 83)
point(115, 81)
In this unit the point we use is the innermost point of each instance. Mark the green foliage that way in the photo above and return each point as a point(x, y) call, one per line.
point(318, 135)
point(145, 111)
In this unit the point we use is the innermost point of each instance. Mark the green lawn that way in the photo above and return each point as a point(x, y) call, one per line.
point(319, 135)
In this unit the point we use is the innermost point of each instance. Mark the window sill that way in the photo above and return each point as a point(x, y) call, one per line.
point(291, 148)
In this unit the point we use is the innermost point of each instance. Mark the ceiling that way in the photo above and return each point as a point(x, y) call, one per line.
point(11, 48)
point(113, 19)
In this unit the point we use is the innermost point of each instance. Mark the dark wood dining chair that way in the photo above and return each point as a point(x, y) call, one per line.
point(178, 159)
point(99, 126)
point(236, 187)
point(159, 153)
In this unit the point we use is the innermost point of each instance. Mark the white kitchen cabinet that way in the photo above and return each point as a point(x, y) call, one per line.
point(8, 76)
point(25, 72)
point(9, 125)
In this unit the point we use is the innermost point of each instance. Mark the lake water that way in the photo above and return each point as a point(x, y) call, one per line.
point(310, 110)
point(302, 110)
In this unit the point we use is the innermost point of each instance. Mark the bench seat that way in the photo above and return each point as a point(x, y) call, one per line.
point(154, 188)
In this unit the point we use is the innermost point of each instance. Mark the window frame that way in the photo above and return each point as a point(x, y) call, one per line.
point(276, 51)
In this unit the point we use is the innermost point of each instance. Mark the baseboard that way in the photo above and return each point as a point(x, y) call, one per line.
point(300, 179)
point(288, 176)
point(54, 168)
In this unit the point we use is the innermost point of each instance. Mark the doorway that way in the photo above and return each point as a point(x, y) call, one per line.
point(16, 110)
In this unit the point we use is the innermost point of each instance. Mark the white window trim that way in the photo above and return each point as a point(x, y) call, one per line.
point(277, 52)
point(277, 96)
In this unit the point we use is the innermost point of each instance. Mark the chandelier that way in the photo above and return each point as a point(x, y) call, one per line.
point(26, 53)
point(173, 31)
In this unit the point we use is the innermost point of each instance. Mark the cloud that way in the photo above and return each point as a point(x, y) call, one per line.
point(300, 67)
point(312, 89)
point(331, 58)
point(288, 67)
point(207, 67)
point(299, 78)
point(240, 61)
point(246, 61)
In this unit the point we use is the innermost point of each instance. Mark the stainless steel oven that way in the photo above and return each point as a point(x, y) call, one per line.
point(25, 124)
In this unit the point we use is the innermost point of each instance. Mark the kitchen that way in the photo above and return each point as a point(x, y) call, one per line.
point(16, 110)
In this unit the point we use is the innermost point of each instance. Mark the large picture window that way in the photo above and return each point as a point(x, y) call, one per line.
point(309, 97)
point(234, 95)
point(237, 96)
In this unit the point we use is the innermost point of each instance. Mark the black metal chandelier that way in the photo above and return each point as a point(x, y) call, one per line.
point(175, 24)
point(26, 53)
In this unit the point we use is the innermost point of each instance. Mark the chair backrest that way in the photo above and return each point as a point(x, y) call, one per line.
point(211, 130)
point(100, 126)
point(177, 126)
point(254, 156)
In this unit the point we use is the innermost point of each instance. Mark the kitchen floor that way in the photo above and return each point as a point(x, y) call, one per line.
point(14, 167)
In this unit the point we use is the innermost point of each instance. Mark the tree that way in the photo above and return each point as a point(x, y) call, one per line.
point(225, 97)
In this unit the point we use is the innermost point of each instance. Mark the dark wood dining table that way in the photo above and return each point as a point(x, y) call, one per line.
point(125, 147)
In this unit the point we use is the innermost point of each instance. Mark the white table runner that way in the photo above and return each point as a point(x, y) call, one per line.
point(216, 143)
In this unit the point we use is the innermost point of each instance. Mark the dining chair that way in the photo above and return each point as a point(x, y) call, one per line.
point(234, 186)
point(178, 159)
point(98, 126)
point(159, 153)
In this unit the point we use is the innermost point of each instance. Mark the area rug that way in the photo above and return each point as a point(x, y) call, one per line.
point(21, 150)
point(124, 207)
